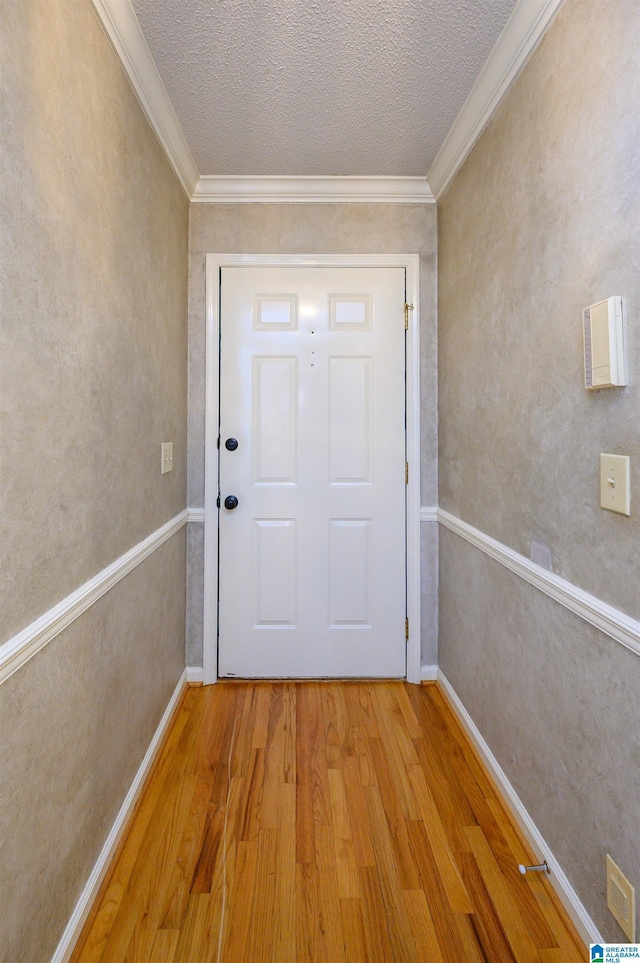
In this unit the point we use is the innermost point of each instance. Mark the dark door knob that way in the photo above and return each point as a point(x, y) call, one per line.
point(231, 444)
point(231, 502)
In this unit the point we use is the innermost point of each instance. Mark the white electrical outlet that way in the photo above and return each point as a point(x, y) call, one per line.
point(621, 899)
point(166, 462)
point(615, 483)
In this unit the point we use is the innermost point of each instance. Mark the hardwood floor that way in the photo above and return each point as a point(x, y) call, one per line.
point(322, 821)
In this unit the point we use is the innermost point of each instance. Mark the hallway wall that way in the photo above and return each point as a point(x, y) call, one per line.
point(542, 220)
point(93, 299)
point(357, 228)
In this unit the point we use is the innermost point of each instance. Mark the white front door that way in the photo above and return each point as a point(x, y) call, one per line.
point(312, 564)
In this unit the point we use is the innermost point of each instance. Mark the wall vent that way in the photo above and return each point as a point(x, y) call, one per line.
point(621, 899)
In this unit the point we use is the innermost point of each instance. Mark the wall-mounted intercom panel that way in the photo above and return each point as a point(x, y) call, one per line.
point(605, 362)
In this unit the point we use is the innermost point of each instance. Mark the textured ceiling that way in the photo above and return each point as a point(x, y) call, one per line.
point(319, 87)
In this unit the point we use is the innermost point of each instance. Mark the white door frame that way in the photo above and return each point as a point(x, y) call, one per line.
point(214, 262)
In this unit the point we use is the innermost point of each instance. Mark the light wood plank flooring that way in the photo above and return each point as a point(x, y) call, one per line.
point(322, 821)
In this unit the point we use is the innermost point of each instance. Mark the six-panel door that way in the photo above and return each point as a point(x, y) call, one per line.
point(312, 560)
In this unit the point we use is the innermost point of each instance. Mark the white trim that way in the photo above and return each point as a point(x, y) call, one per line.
point(412, 388)
point(523, 31)
point(620, 627)
point(196, 515)
point(211, 509)
point(429, 514)
point(221, 189)
point(214, 262)
point(121, 25)
point(89, 893)
point(428, 673)
point(570, 900)
point(194, 674)
point(34, 637)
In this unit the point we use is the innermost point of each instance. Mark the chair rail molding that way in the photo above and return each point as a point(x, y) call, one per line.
point(33, 638)
point(612, 622)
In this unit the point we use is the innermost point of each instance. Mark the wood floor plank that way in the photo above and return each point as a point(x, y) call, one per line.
point(376, 933)
point(565, 934)
point(264, 895)
point(176, 893)
point(520, 940)
point(284, 915)
point(358, 816)
point(424, 932)
point(141, 832)
point(305, 840)
point(325, 821)
point(336, 726)
point(274, 760)
point(353, 936)
point(447, 866)
point(455, 815)
point(261, 725)
point(407, 871)
point(363, 754)
point(486, 923)
point(397, 766)
point(289, 733)
point(236, 936)
point(362, 696)
point(315, 735)
point(165, 946)
point(439, 907)
point(139, 917)
point(346, 863)
point(255, 783)
point(395, 723)
point(400, 936)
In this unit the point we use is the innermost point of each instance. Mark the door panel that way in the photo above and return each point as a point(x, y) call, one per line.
point(312, 560)
point(274, 429)
point(350, 420)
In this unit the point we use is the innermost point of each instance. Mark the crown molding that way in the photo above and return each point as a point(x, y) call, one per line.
point(223, 189)
point(523, 31)
point(123, 30)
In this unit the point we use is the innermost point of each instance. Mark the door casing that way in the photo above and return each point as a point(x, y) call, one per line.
point(214, 262)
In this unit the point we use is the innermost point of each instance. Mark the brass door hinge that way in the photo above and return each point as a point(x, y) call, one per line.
point(406, 629)
point(406, 472)
point(407, 308)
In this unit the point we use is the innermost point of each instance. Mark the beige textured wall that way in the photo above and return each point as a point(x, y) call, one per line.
point(93, 266)
point(311, 229)
point(76, 722)
point(543, 219)
point(93, 341)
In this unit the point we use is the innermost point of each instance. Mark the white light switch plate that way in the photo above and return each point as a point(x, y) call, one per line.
point(167, 457)
point(615, 483)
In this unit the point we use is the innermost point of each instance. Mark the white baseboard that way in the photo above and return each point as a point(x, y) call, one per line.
point(90, 891)
point(570, 900)
point(195, 674)
point(428, 673)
